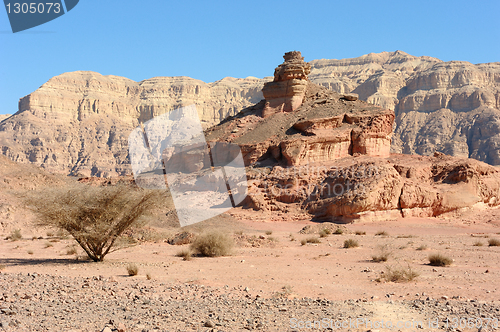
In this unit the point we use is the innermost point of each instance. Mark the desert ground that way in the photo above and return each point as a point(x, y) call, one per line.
point(270, 282)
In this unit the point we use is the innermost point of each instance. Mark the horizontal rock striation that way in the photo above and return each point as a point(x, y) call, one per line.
point(368, 188)
point(286, 92)
point(78, 123)
point(327, 126)
point(450, 107)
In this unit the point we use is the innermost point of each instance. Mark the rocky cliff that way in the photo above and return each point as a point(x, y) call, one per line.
point(450, 107)
point(326, 126)
point(78, 123)
point(3, 117)
point(372, 188)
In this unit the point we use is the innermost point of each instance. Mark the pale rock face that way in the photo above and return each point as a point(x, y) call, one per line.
point(3, 117)
point(78, 123)
point(450, 107)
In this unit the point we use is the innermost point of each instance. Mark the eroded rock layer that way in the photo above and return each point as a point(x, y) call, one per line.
point(327, 126)
point(450, 107)
point(286, 92)
point(78, 123)
point(368, 188)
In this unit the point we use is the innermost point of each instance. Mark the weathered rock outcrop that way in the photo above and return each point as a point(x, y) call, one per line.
point(327, 126)
point(356, 188)
point(78, 123)
point(450, 107)
point(3, 117)
point(286, 92)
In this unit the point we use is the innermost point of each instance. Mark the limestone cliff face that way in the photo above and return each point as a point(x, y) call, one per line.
point(78, 123)
point(3, 117)
point(450, 107)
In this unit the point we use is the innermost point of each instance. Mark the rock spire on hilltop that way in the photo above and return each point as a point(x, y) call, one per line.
point(301, 122)
point(286, 92)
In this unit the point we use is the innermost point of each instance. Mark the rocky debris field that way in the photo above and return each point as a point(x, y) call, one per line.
point(35, 302)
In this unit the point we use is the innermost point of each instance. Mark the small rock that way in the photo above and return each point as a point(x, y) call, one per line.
point(351, 97)
point(106, 329)
point(209, 323)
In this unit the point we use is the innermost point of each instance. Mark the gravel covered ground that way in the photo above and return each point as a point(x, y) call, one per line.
point(33, 302)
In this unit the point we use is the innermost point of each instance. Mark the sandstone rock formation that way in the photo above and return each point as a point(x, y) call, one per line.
point(450, 107)
point(3, 117)
point(286, 92)
point(368, 188)
point(325, 127)
point(78, 123)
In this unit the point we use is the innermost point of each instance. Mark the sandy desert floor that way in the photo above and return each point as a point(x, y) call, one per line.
point(271, 282)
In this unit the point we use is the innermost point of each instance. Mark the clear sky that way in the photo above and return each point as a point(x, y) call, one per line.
point(209, 40)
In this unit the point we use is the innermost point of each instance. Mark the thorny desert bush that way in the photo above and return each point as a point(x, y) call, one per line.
point(95, 217)
point(422, 247)
point(213, 244)
point(15, 235)
point(382, 255)
point(310, 240)
point(325, 232)
point(399, 274)
point(185, 254)
point(339, 231)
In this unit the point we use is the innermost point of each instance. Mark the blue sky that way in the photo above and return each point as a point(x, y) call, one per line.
point(209, 40)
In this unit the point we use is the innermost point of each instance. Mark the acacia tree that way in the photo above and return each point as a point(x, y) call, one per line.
point(95, 216)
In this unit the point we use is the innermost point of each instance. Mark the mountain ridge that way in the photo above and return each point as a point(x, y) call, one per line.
point(450, 107)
